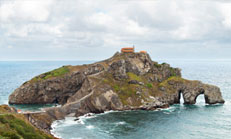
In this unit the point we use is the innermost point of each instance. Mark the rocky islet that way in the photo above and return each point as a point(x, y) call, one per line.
point(126, 81)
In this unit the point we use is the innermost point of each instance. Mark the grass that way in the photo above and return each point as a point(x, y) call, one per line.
point(123, 88)
point(168, 87)
point(54, 73)
point(133, 76)
point(116, 87)
point(149, 85)
point(128, 91)
point(15, 126)
point(165, 83)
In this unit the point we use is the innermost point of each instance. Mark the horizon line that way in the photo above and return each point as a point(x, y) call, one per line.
point(202, 59)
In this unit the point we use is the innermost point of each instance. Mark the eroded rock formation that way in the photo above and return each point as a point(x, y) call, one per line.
point(126, 81)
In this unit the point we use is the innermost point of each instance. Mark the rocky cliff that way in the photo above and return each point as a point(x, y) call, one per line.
point(126, 81)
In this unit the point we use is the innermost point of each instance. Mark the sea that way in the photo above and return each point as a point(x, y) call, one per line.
point(199, 121)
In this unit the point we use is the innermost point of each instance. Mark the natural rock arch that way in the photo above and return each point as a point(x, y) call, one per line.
point(211, 93)
point(188, 96)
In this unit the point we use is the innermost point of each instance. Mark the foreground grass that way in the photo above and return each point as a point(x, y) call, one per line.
point(15, 126)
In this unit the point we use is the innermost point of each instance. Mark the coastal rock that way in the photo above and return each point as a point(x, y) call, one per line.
point(126, 81)
point(54, 89)
point(190, 90)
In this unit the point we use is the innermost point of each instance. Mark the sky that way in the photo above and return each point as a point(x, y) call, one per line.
point(95, 30)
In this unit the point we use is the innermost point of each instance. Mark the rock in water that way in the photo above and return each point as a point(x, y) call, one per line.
point(112, 84)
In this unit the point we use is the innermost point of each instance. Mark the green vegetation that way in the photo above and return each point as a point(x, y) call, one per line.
point(128, 92)
point(133, 76)
point(173, 73)
point(13, 127)
point(124, 89)
point(157, 65)
point(173, 78)
point(167, 85)
point(149, 85)
point(57, 72)
point(116, 87)
point(54, 73)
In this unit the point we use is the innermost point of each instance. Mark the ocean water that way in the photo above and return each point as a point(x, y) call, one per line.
point(15, 73)
point(180, 121)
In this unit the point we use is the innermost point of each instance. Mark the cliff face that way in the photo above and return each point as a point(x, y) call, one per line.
point(126, 81)
point(61, 87)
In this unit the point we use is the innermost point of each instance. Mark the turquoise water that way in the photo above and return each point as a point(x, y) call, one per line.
point(179, 121)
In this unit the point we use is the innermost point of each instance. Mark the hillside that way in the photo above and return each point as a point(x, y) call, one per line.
point(16, 126)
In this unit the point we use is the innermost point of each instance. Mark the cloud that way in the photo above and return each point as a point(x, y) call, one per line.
point(24, 10)
point(77, 26)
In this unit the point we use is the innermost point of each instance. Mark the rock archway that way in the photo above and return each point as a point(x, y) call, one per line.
point(191, 90)
point(189, 95)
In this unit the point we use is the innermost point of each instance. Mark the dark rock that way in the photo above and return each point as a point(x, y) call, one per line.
point(76, 119)
point(135, 82)
point(118, 69)
point(56, 90)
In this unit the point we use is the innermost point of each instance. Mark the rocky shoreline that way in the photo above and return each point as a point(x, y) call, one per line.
point(126, 81)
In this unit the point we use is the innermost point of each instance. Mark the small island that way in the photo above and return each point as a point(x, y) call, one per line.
point(128, 80)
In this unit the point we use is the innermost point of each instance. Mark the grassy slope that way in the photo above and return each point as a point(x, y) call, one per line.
point(54, 73)
point(176, 80)
point(15, 126)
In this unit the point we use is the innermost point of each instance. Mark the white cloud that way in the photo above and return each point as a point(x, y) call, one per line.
point(226, 11)
point(24, 10)
point(72, 25)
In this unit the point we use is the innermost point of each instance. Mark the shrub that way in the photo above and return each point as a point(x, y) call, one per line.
point(157, 65)
point(172, 71)
point(116, 87)
point(10, 135)
point(149, 85)
point(133, 76)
